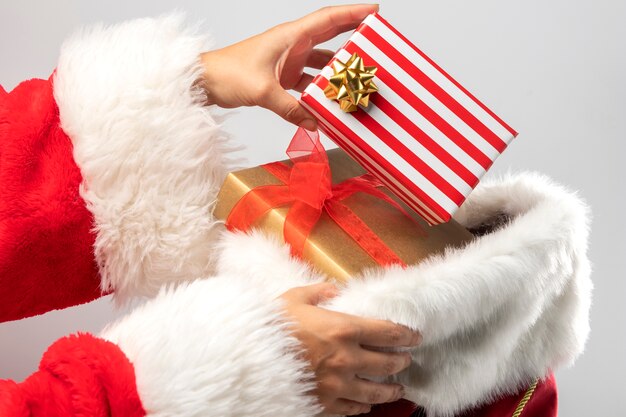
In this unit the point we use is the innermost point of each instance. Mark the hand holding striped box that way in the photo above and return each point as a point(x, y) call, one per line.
point(423, 135)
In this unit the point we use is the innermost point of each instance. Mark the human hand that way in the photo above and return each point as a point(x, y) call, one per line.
point(336, 348)
point(258, 71)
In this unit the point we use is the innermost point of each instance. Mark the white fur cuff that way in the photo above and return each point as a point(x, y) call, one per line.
point(151, 155)
point(215, 347)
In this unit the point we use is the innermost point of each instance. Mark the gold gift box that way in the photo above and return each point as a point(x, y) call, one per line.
point(330, 249)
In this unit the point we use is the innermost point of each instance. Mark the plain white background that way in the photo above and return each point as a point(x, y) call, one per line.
point(553, 69)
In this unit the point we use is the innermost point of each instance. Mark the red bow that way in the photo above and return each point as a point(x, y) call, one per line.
point(309, 190)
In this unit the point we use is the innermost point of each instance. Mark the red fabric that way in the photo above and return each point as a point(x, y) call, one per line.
point(542, 403)
point(309, 190)
point(46, 246)
point(78, 376)
point(400, 408)
point(545, 400)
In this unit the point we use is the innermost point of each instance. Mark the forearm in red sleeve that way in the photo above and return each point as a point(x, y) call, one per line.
point(109, 170)
point(46, 244)
point(215, 347)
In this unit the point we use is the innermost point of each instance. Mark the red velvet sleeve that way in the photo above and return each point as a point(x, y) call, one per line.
point(46, 255)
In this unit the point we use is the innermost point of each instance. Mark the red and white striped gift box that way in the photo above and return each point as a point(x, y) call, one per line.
point(423, 135)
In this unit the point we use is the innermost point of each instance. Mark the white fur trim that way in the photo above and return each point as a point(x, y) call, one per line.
point(151, 155)
point(215, 347)
point(264, 261)
point(508, 308)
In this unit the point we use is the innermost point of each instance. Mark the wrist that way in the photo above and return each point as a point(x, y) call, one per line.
point(207, 60)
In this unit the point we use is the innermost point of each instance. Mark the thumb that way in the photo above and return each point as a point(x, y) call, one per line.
point(286, 106)
point(312, 294)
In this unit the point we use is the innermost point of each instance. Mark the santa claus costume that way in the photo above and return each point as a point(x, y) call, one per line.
point(109, 172)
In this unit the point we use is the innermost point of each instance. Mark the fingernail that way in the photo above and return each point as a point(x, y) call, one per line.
point(309, 124)
point(408, 361)
point(416, 339)
point(330, 293)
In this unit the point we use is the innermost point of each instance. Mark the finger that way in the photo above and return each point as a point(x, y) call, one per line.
point(312, 294)
point(348, 408)
point(372, 363)
point(381, 333)
point(319, 58)
point(328, 22)
point(304, 81)
point(282, 103)
point(369, 392)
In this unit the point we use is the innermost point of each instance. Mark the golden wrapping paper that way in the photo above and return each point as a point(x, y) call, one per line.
point(331, 250)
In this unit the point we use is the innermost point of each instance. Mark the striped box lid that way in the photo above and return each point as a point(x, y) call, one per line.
point(423, 135)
